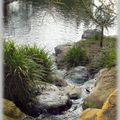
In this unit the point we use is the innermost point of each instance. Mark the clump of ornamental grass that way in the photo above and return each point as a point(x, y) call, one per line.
point(41, 58)
point(75, 56)
point(107, 57)
point(24, 68)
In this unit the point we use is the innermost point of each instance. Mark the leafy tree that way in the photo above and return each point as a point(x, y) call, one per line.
point(103, 15)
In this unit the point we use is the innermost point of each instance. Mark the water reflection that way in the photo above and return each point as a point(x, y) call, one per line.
point(44, 22)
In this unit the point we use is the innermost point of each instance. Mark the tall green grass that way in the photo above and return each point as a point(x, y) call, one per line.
point(101, 57)
point(107, 57)
point(41, 58)
point(75, 56)
point(24, 68)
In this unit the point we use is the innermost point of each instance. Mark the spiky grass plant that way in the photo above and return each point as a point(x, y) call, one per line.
point(75, 56)
point(24, 67)
point(105, 58)
point(41, 58)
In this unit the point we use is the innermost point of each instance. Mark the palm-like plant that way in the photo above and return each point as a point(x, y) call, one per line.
point(103, 16)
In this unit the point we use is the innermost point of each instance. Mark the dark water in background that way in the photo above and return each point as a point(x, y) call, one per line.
point(45, 24)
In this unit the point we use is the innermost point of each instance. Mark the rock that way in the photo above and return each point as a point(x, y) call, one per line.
point(89, 33)
point(60, 52)
point(99, 74)
point(48, 100)
point(62, 48)
point(89, 114)
point(109, 109)
point(78, 75)
point(107, 112)
point(88, 87)
point(106, 83)
point(51, 101)
point(59, 81)
point(72, 91)
point(11, 112)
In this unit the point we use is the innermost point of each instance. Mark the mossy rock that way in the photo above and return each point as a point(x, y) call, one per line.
point(11, 112)
point(89, 114)
point(90, 105)
point(106, 84)
point(107, 112)
point(109, 109)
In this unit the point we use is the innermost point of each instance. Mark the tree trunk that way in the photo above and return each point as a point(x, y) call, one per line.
point(101, 37)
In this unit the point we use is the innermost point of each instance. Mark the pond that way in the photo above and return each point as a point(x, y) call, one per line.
point(45, 24)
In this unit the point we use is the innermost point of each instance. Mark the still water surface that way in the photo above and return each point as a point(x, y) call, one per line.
point(44, 25)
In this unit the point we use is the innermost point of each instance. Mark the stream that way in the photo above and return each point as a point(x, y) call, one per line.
point(74, 112)
point(35, 22)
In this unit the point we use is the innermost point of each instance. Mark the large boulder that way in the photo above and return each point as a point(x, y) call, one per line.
point(78, 75)
point(89, 33)
point(50, 101)
point(89, 114)
point(47, 99)
point(53, 102)
point(62, 48)
point(60, 52)
point(106, 83)
point(109, 109)
point(107, 112)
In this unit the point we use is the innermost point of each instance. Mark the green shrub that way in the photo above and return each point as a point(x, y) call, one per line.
point(25, 67)
point(105, 58)
point(110, 42)
point(95, 37)
point(40, 57)
point(75, 56)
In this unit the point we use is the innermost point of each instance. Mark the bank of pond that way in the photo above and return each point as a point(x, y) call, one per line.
point(60, 86)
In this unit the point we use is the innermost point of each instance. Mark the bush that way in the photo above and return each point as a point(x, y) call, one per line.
point(105, 58)
point(75, 56)
point(41, 58)
point(96, 36)
point(25, 67)
point(110, 42)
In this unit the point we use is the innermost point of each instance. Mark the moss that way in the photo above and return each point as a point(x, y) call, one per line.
point(90, 104)
point(11, 112)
